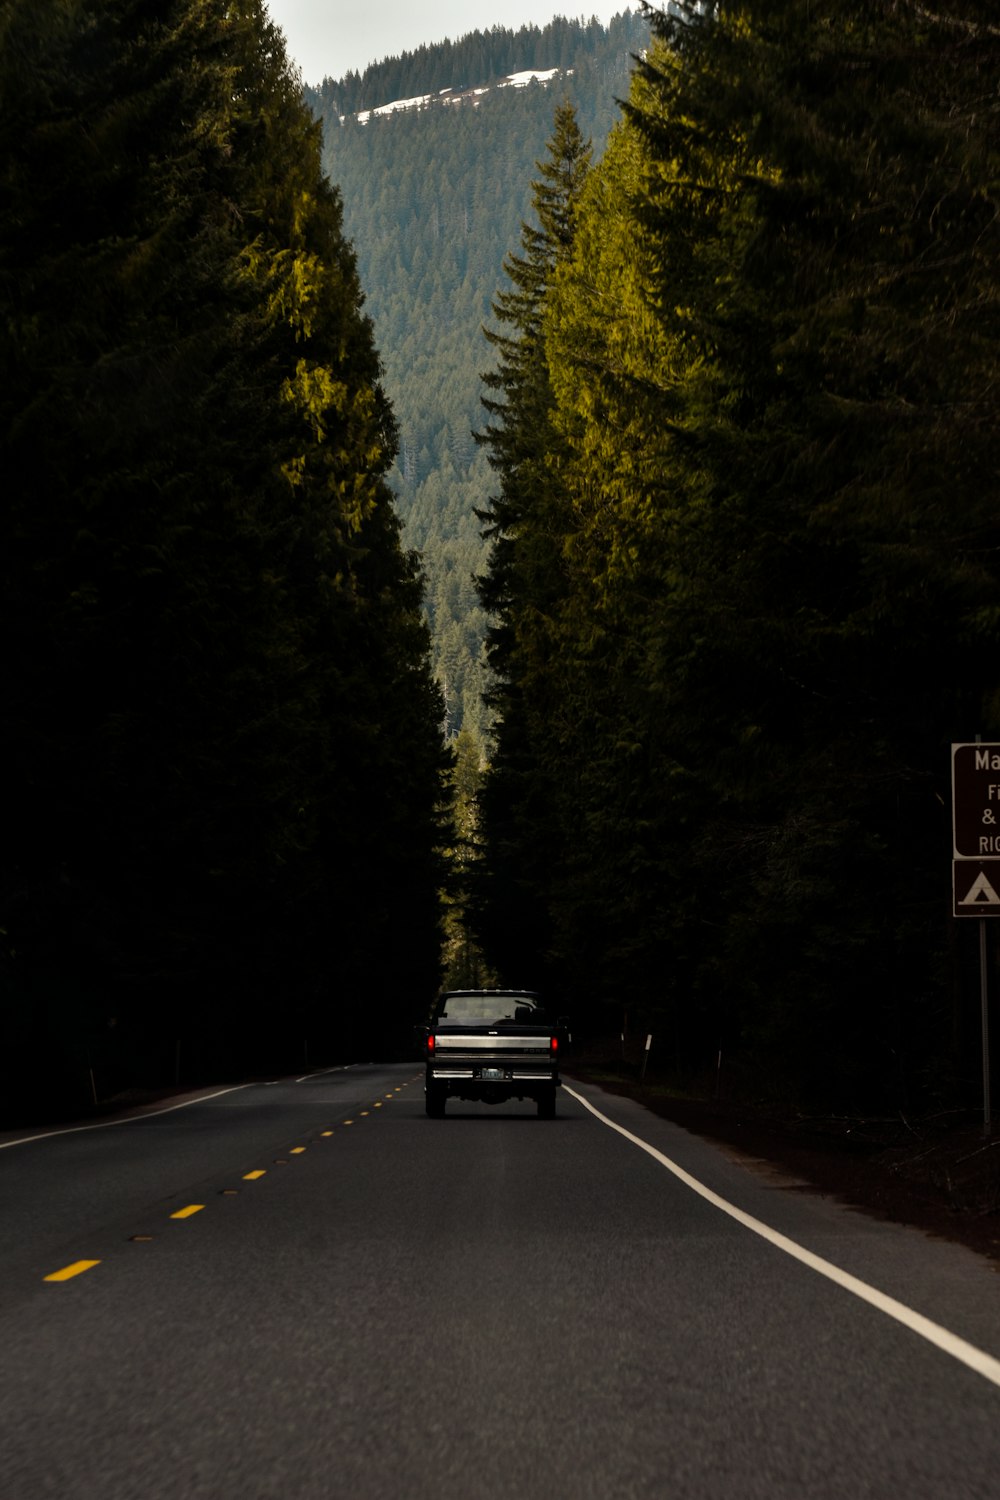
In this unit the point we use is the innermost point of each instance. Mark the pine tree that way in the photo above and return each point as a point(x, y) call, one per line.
point(525, 524)
point(609, 751)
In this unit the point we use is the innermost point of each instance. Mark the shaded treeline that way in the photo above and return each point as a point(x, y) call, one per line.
point(223, 766)
point(746, 561)
point(467, 62)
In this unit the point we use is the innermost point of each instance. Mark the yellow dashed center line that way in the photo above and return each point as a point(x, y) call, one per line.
point(79, 1266)
point(68, 1272)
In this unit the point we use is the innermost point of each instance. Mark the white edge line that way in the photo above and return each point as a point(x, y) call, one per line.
point(322, 1072)
point(47, 1135)
point(976, 1359)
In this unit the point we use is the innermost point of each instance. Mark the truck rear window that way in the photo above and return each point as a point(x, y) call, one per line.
point(482, 1009)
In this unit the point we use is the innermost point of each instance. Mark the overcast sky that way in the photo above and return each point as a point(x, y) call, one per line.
point(328, 38)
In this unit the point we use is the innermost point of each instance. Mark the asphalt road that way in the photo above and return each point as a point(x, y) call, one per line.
point(488, 1305)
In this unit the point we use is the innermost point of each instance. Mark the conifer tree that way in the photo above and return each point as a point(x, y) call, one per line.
point(525, 523)
point(618, 789)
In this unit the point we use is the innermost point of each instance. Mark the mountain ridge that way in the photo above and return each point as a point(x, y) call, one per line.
point(452, 95)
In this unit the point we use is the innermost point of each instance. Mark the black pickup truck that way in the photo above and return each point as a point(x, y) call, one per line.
point(491, 1045)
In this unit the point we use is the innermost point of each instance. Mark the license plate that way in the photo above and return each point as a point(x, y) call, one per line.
point(492, 1074)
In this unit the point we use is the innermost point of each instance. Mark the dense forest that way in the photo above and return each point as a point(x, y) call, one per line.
point(225, 779)
point(724, 463)
point(433, 200)
point(484, 57)
point(745, 570)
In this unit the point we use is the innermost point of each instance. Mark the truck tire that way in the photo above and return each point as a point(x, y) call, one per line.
point(547, 1105)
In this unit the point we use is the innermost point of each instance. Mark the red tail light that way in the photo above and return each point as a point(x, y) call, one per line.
point(554, 1044)
point(430, 1043)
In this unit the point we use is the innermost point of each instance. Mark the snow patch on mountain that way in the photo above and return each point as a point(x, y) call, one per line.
point(461, 96)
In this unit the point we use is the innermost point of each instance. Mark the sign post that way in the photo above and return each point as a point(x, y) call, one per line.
point(975, 801)
point(984, 1011)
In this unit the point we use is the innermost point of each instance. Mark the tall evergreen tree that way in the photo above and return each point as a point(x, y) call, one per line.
point(620, 793)
point(526, 525)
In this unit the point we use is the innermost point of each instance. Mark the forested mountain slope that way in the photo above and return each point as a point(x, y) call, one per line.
point(433, 202)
